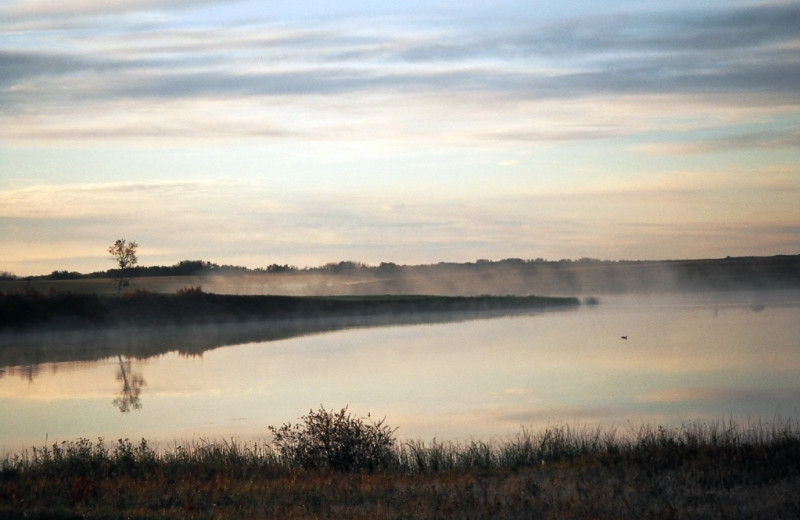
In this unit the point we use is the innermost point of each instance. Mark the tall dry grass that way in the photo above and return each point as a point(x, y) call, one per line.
point(725, 469)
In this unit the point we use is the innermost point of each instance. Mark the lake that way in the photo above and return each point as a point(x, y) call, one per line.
point(708, 356)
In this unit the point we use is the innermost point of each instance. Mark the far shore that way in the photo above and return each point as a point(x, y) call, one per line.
point(512, 276)
point(38, 328)
point(32, 310)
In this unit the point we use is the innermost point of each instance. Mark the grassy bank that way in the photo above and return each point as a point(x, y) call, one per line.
point(721, 470)
point(32, 310)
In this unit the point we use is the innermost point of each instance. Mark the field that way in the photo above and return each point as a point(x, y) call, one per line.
point(156, 284)
point(723, 470)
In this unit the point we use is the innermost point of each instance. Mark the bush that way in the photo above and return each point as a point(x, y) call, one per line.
point(336, 441)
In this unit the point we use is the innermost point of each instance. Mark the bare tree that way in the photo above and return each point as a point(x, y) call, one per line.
point(124, 254)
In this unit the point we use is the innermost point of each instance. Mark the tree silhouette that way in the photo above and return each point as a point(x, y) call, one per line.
point(124, 254)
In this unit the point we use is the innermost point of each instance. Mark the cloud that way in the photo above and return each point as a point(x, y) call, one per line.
point(745, 52)
point(252, 222)
point(17, 66)
point(51, 8)
point(769, 139)
point(771, 181)
point(721, 395)
point(105, 199)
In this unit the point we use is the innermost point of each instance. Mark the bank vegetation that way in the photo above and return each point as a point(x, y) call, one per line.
point(720, 470)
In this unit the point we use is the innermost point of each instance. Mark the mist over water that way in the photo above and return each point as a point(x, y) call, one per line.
point(686, 356)
point(506, 277)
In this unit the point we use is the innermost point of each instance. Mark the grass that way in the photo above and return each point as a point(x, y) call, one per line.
point(698, 470)
point(33, 310)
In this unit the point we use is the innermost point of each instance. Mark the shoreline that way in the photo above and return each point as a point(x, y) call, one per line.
point(34, 311)
point(76, 327)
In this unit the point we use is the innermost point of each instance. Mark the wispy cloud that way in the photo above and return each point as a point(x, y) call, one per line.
point(746, 52)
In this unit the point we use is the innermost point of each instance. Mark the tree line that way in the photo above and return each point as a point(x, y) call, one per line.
point(780, 268)
point(202, 267)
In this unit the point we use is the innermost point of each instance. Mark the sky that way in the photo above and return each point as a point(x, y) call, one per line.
point(251, 133)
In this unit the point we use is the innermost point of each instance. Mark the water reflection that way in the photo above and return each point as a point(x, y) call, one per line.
point(26, 354)
point(132, 384)
point(23, 353)
point(25, 371)
point(686, 358)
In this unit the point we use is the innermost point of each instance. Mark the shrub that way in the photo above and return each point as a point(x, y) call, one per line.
point(190, 291)
point(336, 441)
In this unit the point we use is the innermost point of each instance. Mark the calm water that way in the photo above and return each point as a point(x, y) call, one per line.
point(687, 357)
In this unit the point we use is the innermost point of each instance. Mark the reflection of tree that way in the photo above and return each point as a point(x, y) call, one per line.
point(28, 371)
point(131, 387)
